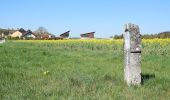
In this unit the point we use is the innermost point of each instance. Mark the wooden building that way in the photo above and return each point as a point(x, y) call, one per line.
point(87, 35)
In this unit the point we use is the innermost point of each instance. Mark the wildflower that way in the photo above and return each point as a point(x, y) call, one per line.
point(46, 72)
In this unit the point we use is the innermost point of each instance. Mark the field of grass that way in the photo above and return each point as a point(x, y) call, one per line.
point(80, 70)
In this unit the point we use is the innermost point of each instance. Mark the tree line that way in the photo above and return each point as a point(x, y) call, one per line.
point(161, 35)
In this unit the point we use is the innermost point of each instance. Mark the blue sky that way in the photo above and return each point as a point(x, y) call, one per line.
point(105, 17)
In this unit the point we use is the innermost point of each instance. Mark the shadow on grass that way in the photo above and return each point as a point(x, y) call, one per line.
point(146, 77)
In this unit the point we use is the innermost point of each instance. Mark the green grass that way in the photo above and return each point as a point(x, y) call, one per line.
point(79, 71)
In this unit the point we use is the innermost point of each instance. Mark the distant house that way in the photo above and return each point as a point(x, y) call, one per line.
point(22, 34)
point(65, 34)
point(46, 36)
point(6, 32)
point(28, 35)
point(87, 35)
point(51, 35)
point(16, 34)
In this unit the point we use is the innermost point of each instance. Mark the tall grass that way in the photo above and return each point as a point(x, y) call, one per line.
point(80, 71)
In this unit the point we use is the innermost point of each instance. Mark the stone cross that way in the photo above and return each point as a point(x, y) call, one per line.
point(132, 54)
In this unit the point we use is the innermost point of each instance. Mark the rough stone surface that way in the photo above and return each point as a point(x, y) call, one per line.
point(132, 54)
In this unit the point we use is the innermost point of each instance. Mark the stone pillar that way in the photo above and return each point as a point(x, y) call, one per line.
point(132, 54)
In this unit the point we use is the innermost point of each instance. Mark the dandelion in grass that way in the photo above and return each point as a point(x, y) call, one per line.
point(46, 72)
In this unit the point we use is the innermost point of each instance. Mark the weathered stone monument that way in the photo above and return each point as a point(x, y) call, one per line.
point(132, 54)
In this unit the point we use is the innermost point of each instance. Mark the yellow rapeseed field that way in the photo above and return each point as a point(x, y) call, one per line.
point(162, 42)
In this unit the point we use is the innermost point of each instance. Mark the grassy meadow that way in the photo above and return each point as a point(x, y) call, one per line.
point(80, 70)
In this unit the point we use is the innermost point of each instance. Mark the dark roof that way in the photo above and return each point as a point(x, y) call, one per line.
point(87, 34)
point(28, 32)
point(65, 34)
point(21, 30)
